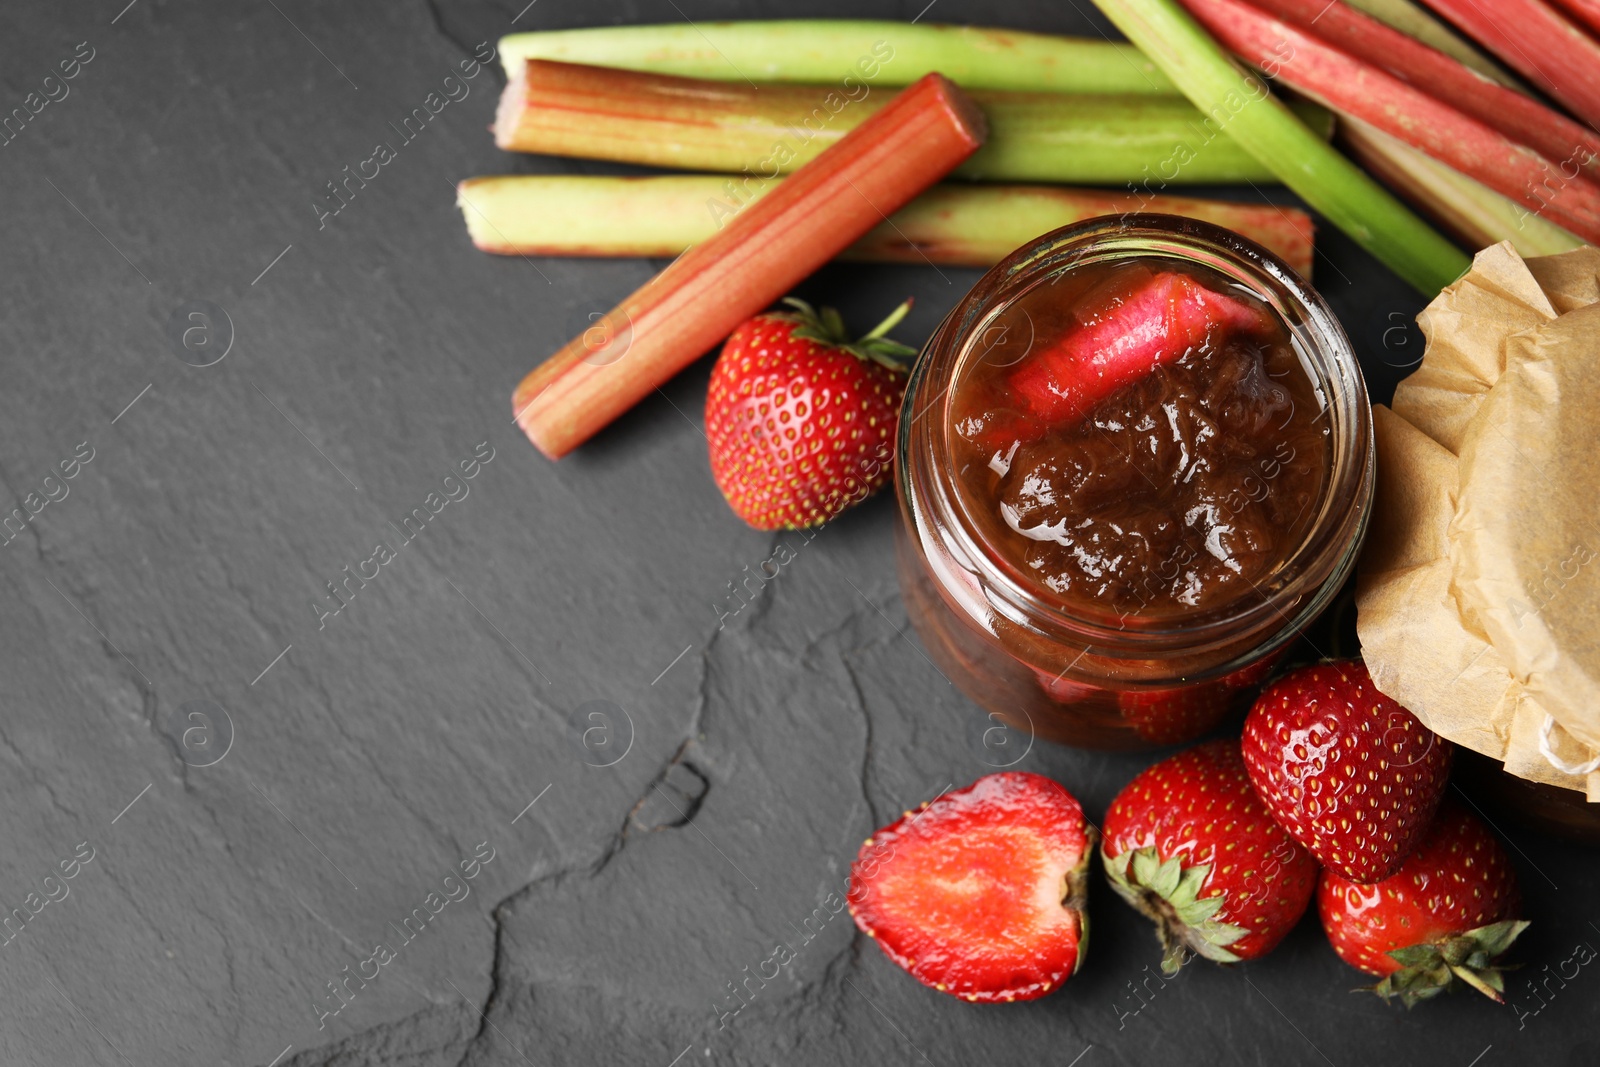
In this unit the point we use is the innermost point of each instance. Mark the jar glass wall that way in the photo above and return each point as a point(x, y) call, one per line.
point(997, 602)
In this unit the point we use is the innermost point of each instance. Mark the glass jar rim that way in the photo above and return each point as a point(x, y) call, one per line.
point(1313, 571)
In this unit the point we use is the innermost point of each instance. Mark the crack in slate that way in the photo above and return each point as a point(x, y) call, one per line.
point(496, 961)
point(437, 17)
point(11, 492)
point(612, 850)
point(618, 839)
point(864, 774)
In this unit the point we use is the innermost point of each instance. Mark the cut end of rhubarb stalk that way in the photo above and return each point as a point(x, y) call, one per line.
point(508, 112)
point(527, 392)
point(470, 196)
point(965, 116)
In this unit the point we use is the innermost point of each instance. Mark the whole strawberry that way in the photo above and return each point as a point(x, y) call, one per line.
point(1351, 774)
point(1190, 845)
point(800, 419)
point(1172, 716)
point(1178, 715)
point(1446, 915)
point(981, 893)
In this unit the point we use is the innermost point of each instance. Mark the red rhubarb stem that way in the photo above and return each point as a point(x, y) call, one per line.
point(1584, 11)
point(1536, 41)
point(1352, 87)
point(1515, 115)
point(1154, 324)
point(768, 247)
point(1477, 215)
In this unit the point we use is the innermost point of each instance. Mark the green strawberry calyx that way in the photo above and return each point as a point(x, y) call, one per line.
point(1169, 893)
point(826, 327)
point(1428, 969)
point(1075, 893)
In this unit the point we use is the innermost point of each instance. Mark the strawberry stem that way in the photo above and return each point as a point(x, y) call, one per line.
point(826, 327)
point(891, 322)
point(1168, 893)
point(1469, 976)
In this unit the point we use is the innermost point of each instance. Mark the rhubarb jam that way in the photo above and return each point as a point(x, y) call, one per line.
point(1133, 464)
point(1188, 476)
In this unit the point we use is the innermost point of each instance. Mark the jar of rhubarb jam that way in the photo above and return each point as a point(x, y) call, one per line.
point(1134, 463)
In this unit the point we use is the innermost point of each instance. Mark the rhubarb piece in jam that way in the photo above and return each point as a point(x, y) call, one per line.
point(1160, 449)
point(1122, 332)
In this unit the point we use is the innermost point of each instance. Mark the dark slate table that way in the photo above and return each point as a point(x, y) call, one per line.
point(521, 779)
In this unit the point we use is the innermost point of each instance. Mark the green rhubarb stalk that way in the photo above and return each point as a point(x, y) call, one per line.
point(1240, 104)
point(1416, 23)
point(829, 51)
point(1474, 213)
point(570, 109)
point(949, 225)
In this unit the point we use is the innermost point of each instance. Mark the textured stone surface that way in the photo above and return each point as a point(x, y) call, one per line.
point(269, 790)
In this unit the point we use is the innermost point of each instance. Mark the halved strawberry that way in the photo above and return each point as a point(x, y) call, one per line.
point(1120, 342)
point(1189, 844)
point(981, 892)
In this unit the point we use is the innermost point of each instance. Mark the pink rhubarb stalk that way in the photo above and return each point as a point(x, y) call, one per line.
point(1477, 215)
point(1585, 11)
point(1519, 117)
point(1155, 324)
point(1354, 88)
point(1535, 40)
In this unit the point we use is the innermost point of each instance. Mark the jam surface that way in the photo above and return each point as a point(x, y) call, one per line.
point(1140, 438)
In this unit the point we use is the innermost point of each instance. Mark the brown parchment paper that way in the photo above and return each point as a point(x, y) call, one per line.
point(1479, 592)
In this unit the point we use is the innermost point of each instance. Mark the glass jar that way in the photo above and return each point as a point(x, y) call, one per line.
point(1546, 809)
point(1079, 677)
